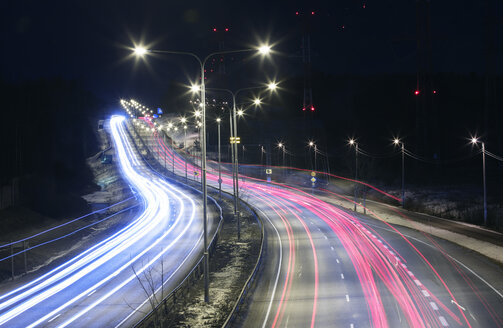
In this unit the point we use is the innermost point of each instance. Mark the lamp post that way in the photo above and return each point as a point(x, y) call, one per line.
point(282, 147)
point(312, 144)
point(476, 141)
point(183, 120)
point(141, 51)
point(234, 134)
point(398, 142)
point(352, 142)
point(219, 162)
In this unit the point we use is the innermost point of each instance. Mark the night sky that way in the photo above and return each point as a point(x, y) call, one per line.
point(87, 40)
point(91, 42)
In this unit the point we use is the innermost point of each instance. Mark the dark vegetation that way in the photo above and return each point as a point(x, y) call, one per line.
point(46, 132)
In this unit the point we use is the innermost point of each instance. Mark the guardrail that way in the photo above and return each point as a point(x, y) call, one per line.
point(37, 240)
point(195, 273)
point(251, 279)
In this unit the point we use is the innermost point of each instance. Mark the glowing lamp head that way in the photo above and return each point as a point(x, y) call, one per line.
point(264, 50)
point(183, 120)
point(195, 88)
point(272, 86)
point(140, 51)
point(240, 112)
point(396, 141)
point(280, 145)
point(311, 143)
point(197, 113)
point(257, 101)
point(475, 140)
point(219, 120)
point(351, 141)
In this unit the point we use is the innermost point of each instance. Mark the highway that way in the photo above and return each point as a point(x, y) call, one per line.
point(324, 266)
point(102, 286)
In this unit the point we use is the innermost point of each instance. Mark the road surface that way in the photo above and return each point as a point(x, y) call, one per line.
point(108, 284)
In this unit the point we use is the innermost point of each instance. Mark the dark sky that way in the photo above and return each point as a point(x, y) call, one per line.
point(88, 40)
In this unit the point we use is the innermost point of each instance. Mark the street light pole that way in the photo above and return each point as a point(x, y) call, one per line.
point(142, 51)
point(219, 163)
point(352, 142)
point(475, 141)
point(234, 147)
point(403, 175)
point(484, 181)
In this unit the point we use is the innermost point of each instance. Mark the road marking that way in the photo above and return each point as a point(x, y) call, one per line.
point(94, 291)
point(347, 298)
point(342, 275)
point(410, 273)
point(458, 261)
point(332, 247)
point(459, 306)
point(54, 318)
point(351, 326)
point(325, 237)
point(417, 282)
point(443, 321)
point(434, 306)
point(337, 260)
point(425, 293)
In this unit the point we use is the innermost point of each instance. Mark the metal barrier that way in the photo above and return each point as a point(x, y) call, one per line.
point(251, 279)
point(194, 274)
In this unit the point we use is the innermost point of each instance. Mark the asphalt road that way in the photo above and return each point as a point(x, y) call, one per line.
point(108, 284)
point(324, 266)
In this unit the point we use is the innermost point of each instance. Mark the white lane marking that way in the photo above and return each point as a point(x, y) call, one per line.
point(458, 261)
point(404, 266)
point(347, 298)
point(351, 326)
point(410, 273)
point(434, 306)
point(342, 275)
point(457, 304)
point(332, 247)
point(425, 293)
point(325, 237)
point(337, 260)
point(279, 269)
point(443, 321)
point(94, 291)
point(54, 318)
point(417, 282)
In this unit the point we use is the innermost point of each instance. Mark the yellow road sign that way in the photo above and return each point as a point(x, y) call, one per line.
point(235, 140)
point(313, 174)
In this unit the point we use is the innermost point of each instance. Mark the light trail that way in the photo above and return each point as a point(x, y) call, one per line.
point(373, 259)
point(145, 240)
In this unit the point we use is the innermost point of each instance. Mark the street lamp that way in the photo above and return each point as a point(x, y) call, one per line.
point(184, 120)
point(352, 142)
point(234, 134)
point(219, 160)
point(141, 51)
point(282, 147)
point(397, 142)
point(312, 144)
point(474, 142)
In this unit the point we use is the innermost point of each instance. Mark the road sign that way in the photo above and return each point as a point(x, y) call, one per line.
point(268, 171)
point(196, 173)
point(235, 140)
point(313, 174)
point(313, 179)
